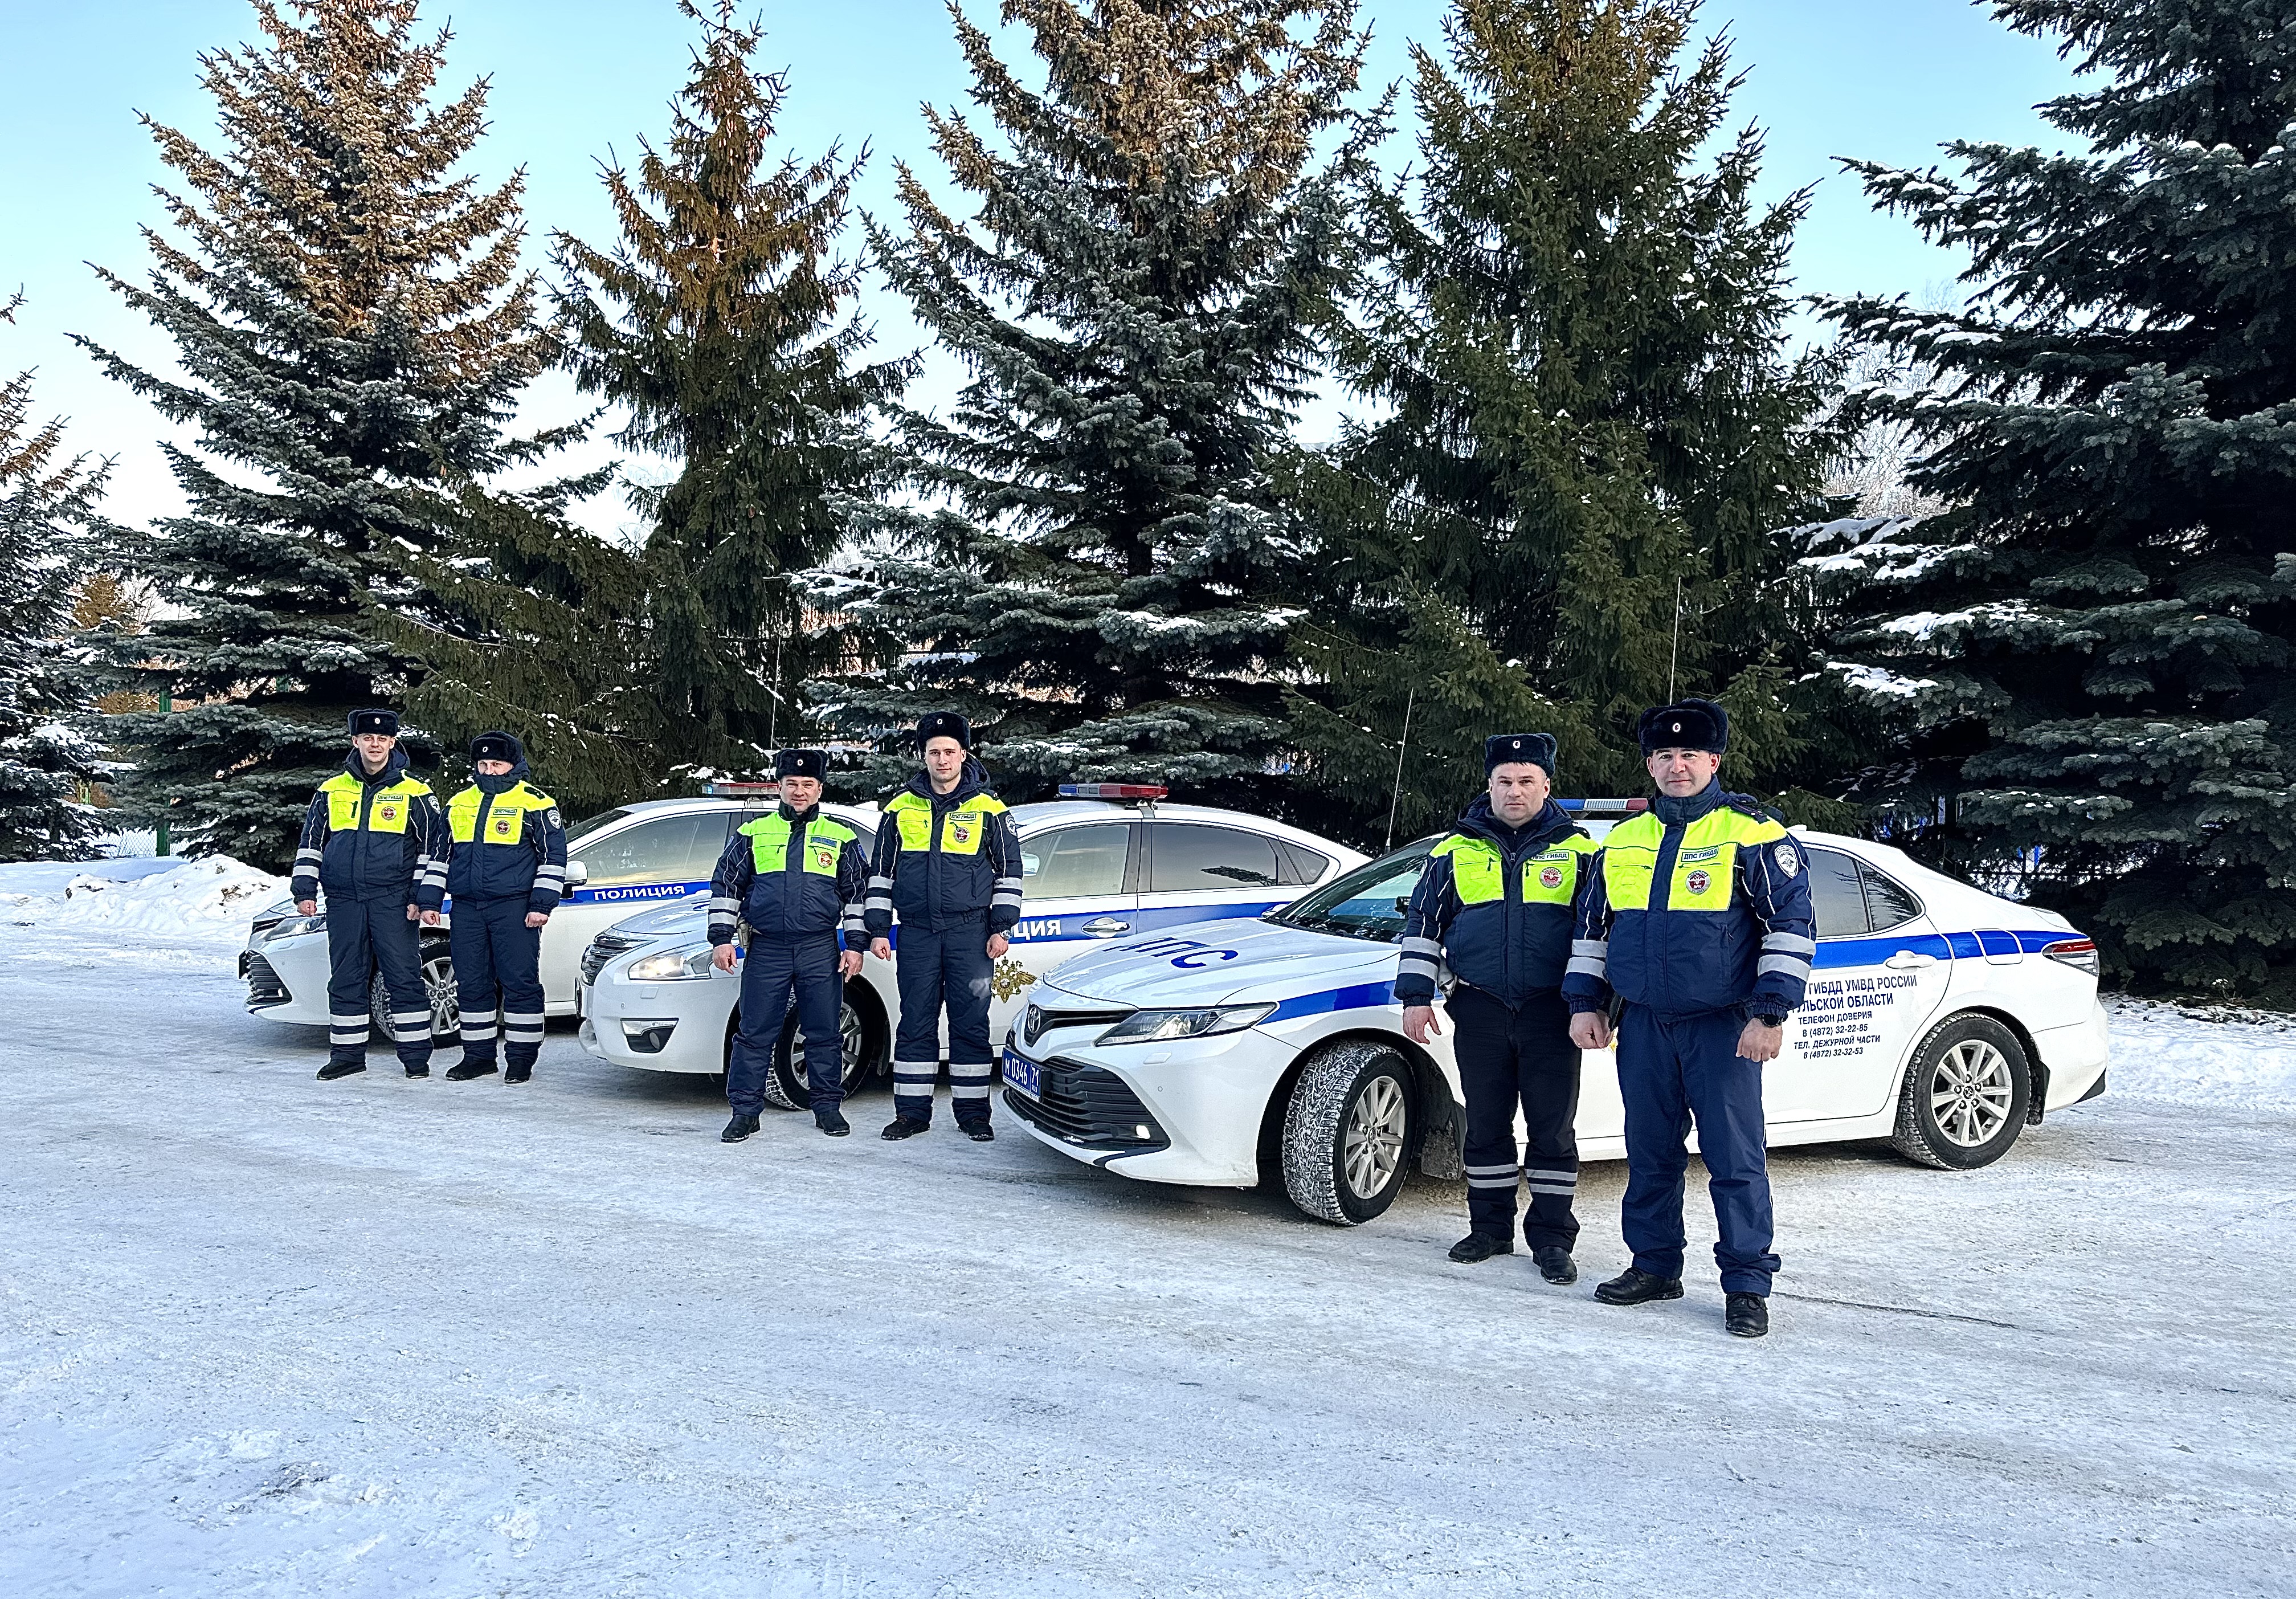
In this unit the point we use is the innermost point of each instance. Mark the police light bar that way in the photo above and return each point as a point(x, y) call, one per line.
point(1113, 790)
point(1604, 808)
point(741, 790)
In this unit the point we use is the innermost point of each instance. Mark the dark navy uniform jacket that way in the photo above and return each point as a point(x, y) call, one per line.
point(1495, 903)
point(794, 875)
point(370, 837)
point(507, 841)
point(1697, 905)
point(945, 859)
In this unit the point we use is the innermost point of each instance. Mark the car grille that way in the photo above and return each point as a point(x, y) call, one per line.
point(1088, 1106)
point(604, 948)
point(1038, 1020)
point(264, 988)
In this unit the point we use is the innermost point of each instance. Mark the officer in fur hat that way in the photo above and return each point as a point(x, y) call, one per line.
point(372, 834)
point(505, 874)
point(795, 880)
point(1698, 917)
point(948, 865)
point(1495, 904)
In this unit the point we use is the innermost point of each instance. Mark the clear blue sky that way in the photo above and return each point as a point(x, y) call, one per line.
point(1888, 79)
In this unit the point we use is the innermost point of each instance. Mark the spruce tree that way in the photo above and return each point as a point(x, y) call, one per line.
point(723, 323)
point(2089, 652)
point(351, 329)
point(1098, 566)
point(1586, 420)
point(47, 507)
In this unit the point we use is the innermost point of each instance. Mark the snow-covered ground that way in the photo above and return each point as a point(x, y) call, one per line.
point(261, 1334)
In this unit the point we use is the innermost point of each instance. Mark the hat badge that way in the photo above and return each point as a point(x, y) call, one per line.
point(1677, 727)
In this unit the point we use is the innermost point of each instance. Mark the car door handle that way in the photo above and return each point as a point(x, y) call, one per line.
point(1104, 927)
point(1907, 960)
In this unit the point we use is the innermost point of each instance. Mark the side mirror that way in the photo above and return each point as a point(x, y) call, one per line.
point(577, 875)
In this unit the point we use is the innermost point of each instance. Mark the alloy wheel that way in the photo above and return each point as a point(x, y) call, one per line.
point(1371, 1147)
point(1971, 1093)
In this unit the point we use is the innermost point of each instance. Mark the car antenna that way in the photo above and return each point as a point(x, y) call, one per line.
point(1396, 796)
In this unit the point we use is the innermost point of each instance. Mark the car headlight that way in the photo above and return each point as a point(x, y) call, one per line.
point(672, 965)
point(296, 925)
point(1150, 1027)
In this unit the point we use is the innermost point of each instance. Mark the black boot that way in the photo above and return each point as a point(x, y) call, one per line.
point(332, 1069)
point(980, 1132)
point(1747, 1315)
point(833, 1122)
point(737, 1129)
point(523, 1072)
point(1635, 1286)
point(903, 1127)
point(1555, 1263)
point(422, 1070)
point(1480, 1246)
point(464, 1072)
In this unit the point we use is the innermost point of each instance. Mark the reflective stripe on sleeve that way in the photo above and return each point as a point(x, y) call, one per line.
point(1792, 965)
point(1786, 943)
point(1423, 946)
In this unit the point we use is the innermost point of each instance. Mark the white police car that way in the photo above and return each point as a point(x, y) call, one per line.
point(618, 861)
point(1106, 862)
point(1939, 1016)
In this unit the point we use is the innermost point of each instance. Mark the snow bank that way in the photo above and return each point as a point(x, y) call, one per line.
point(203, 899)
point(2234, 1058)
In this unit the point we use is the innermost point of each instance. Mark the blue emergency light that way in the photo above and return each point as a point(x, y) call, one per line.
point(1604, 808)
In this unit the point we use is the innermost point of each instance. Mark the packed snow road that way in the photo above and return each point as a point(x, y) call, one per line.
point(268, 1336)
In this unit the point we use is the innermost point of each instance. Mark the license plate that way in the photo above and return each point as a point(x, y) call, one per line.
point(1022, 1074)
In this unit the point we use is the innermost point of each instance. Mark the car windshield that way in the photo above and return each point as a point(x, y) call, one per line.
point(1367, 903)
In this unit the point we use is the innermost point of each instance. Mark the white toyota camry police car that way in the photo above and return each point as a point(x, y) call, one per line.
point(1106, 862)
point(1939, 1016)
point(618, 861)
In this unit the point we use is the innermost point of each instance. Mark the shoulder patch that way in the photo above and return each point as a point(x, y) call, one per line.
point(1787, 858)
point(555, 819)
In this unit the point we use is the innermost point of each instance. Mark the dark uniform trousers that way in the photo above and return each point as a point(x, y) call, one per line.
point(497, 979)
point(364, 935)
point(771, 970)
point(1674, 1071)
point(1507, 1057)
point(947, 969)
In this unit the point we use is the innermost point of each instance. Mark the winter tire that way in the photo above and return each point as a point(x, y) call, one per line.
point(1346, 1133)
point(1965, 1096)
point(786, 1087)
point(439, 985)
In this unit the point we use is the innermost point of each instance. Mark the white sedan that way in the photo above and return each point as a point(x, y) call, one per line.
point(1092, 870)
point(1940, 1017)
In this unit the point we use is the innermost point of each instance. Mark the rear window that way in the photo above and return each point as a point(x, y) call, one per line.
point(1185, 858)
point(1837, 898)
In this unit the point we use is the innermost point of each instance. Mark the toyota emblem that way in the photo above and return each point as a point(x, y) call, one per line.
point(1032, 1025)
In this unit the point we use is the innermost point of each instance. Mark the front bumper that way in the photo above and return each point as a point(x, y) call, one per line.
point(1180, 1112)
point(287, 979)
point(700, 1009)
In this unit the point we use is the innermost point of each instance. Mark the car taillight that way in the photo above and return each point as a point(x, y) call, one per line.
point(2078, 952)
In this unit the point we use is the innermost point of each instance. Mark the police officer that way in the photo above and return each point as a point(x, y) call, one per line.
point(506, 872)
point(1495, 902)
point(372, 835)
point(796, 878)
point(1698, 917)
point(948, 863)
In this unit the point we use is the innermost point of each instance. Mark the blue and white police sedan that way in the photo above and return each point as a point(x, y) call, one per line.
point(1105, 863)
point(1939, 1017)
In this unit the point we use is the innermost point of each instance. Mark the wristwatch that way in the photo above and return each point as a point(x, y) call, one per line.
point(1771, 1021)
